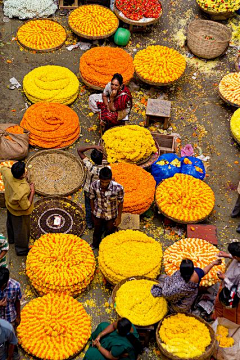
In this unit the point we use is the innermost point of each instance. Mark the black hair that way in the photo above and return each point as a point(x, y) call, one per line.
point(118, 77)
point(124, 327)
point(97, 157)
point(105, 174)
point(18, 169)
point(234, 249)
point(4, 276)
point(186, 269)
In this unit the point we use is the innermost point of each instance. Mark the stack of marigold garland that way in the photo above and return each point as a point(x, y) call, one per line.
point(60, 263)
point(54, 327)
point(93, 20)
point(7, 164)
point(201, 252)
point(159, 64)
point(98, 65)
point(130, 143)
point(184, 336)
point(229, 87)
point(41, 34)
point(137, 9)
point(51, 125)
point(129, 253)
point(235, 125)
point(51, 83)
point(184, 198)
point(139, 187)
point(135, 302)
point(219, 5)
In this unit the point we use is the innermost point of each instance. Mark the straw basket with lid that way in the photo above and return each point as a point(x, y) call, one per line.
point(208, 39)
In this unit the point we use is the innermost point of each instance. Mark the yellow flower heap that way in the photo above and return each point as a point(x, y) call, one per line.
point(51, 83)
point(129, 253)
point(184, 336)
point(219, 5)
point(60, 263)
point(54, 327)
point(131, 143)
point(235, 125)
point(201, 252)
point(222, 336)
point(135, 302)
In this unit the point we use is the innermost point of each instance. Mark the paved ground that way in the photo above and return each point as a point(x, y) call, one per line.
point(198, 115)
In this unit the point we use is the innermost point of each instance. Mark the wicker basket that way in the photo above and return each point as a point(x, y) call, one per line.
point(217, 15)
point(205, 356)
point(226, 100)
point(204, 48)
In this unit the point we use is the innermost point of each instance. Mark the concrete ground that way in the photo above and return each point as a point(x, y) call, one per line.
point(198, 115)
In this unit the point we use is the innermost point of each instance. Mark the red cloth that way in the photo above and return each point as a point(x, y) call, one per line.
point(230, 314)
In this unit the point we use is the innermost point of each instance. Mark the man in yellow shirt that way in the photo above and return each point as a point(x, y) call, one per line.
point(19, 202)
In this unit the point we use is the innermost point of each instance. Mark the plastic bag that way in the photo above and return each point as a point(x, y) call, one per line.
point(193, 166)
point(17, 147)
point(166, 166)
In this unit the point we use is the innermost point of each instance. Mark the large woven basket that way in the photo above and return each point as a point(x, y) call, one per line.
point(218, 15)
point(205, 356)
point(204, 48)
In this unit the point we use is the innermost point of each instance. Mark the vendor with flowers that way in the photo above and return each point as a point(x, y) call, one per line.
point(114, 105)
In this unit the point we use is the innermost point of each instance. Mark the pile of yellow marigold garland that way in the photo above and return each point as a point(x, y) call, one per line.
point(9, 164)
point(135, 302)
point(235, 125)
point(184, 336)
point(51, 83)
point(60, 263)
point(41, 34)
point(93, 20)
point(129, 253)
point(229, 87)
point(99, 64)
point(159, 64)
point(222, 336)
point(201, 252)
point(139, 187)
point(185, 198)
point(54, 327)
point(130, 143)
point(219, 5)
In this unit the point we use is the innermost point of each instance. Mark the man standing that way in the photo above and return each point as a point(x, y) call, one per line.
point(8, 340)
point(106, 199)
point(19, 202)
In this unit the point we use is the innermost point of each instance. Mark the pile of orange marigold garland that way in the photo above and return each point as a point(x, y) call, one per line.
point(54, 327)
point(201, 252)
point(98, 65)
point(51, 125)
point(139, 187)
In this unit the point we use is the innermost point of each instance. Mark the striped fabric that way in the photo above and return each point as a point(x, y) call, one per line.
point(3, 247)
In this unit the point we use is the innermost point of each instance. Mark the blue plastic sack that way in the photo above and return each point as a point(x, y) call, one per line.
point(194, 168)
point(161, 171)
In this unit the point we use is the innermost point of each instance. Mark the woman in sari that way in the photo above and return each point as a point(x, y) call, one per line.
point(114, 341)
point(181, 289)
point(114, 104)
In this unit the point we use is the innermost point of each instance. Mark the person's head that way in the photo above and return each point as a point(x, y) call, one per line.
point(97, 157)
point(123, 326)
point(186, 269)
point(116, 82)
point(4, 277)
point(234, 249)
point(105, 177)
point(18, 170)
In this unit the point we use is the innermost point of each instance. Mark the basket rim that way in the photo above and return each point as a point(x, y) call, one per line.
point(217, 25)
point(215, 12)
point(42, 50)
point(209, 349)
point(64, 153)
point(158, 83)
point(94, 87)
point(227, 101)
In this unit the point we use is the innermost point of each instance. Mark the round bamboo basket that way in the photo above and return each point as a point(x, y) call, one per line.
point(90, 37)
point(156, 83)
point(91, 86)
point(43, 50)
point(205, 356)
point(37, 358)
point(215, 15)
point(227, 101)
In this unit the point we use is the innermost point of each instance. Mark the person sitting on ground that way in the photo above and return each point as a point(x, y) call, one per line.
point(114, 104)
point(119, 340)
point(8, 341)
point(181, 289)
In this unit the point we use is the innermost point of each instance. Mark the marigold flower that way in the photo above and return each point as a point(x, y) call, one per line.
point(54, 327)
point(222, 336)
point(201, 252)
point(8, 164)
point(99, 64)
point(60, 263)
point(219, 5)
point(16, 129)
point(229, 87)
point(129, 253)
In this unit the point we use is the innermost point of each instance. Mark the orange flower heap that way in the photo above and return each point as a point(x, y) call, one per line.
point(41, 34)
point(99, 64)
point(139, 187)
point(54, 327)
point(93, 20)
point(51, 125)
point(184, 198)
point(159, 64)
point(8, 164)
point(201, 252)
point(16, 129)
point(60, 263)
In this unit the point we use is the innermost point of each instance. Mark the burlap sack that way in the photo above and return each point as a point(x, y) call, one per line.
point(15, 149)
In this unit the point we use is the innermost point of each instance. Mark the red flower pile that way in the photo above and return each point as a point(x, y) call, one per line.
point(137, 9)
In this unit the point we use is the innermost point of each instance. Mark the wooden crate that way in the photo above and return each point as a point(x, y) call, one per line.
point(166, 143)
point(63, 5)
point(145, 334)
point(130, 221)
